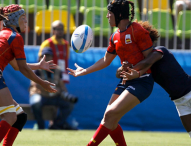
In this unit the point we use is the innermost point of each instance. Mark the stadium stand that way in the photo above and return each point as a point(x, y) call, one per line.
point(89, 4)
point(184, 25)
point(47, 21)
point(7, 2)
point(63, 5)
point(31, 6)
point(165, 27)
point(157, 5)
point(97, 19)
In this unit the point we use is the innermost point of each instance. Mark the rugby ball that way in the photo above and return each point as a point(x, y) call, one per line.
point(81, 38)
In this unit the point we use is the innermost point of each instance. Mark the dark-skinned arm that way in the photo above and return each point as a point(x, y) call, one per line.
point(141, 67)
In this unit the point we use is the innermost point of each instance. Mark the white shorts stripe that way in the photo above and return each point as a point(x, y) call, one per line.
point(6, 109)
point(18, 109)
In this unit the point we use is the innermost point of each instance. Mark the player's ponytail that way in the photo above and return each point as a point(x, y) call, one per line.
point(2, 16)
point(153, 32)
point(132, 10)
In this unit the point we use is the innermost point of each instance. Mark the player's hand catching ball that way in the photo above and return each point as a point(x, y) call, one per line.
point(78, 72)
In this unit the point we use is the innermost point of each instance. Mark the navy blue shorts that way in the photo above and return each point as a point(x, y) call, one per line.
point(2, 81)
point(140, 87)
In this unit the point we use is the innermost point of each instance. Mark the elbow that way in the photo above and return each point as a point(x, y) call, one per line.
point(22, 68)
point(16, 68)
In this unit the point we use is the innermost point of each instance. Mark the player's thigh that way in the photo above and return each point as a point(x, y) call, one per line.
point(124, 103)
point(5, 97)
point(112, 99)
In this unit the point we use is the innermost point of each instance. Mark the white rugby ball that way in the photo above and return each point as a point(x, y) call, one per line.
point(81, 38)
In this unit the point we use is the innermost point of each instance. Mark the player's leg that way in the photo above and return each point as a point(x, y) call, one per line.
point(183, 106)
point(7, 110)
point(186, 121)
point(16, 127)
point(124, 103)
point(136, 91)
point(117, 133)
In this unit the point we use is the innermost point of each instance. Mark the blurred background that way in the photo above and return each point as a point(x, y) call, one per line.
point(94, 90)
point(172, 19)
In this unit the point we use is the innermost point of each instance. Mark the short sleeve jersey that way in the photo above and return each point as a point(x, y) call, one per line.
point(11, 46)
point(130, 44)
point(168, 73)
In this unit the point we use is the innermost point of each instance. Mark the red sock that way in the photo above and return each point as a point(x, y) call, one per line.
point(100, 134)
point(4, 127)
point(118, 137)
point(10, 136)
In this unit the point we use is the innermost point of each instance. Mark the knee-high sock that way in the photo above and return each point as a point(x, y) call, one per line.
point(4, 127)
point(100, 134)
point(10, 136)
point(118, 137)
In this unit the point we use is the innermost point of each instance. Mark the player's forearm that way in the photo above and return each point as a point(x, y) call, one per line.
point(27, 72)
point(101, 64)
point(33, 66)
point(142, 67)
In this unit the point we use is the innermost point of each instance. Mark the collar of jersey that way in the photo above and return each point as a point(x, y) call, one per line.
point(126, 28)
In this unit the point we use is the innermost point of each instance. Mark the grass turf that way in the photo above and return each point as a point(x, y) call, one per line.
point(82, 137)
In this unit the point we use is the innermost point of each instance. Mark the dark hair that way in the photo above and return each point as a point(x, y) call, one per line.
point(153, 32)
point(132, 10)
point(120, 9)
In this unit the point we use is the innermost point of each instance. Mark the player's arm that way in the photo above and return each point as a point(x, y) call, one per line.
point(13, 63)
point(141, 67)
point(146, 63)
point(27, 72)
point(100, 64)
point(42, 64)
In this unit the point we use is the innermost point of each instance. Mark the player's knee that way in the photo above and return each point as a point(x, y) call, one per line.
point(21, 120)
point(9, 117)
point(111, 116)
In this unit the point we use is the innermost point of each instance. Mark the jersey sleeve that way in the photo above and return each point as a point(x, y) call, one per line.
point(42, 46)
point(17, 47)
point(111, 47)
point(158, 49)
point(143, 39)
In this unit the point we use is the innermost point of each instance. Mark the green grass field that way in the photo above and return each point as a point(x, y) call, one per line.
point(82, 137)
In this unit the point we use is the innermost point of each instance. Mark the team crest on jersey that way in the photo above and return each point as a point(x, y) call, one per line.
point(128, 39)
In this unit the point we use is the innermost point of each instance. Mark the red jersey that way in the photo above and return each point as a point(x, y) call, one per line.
point(130, 44)
point(11, 46)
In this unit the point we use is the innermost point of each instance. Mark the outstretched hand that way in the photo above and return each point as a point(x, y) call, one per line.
point(47, 65)
point(78, 72)
point(130, 75)
point(48, 86)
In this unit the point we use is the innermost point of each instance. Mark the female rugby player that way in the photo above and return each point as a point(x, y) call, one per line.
point(12, 51)
point(169, 75)
point(131, 43)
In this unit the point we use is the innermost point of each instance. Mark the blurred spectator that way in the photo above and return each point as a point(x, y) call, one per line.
point(181, 5)
point(61, 99)
point(60, 48)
